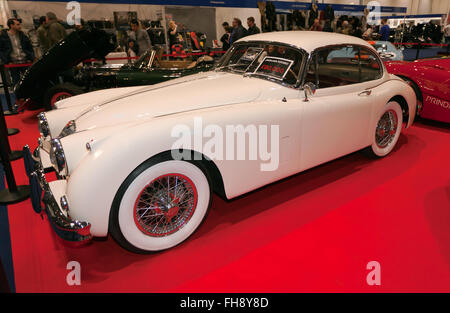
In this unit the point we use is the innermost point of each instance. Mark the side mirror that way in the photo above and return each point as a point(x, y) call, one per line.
point(309, 89)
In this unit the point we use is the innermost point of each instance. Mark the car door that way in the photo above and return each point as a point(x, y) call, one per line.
point(336, 119)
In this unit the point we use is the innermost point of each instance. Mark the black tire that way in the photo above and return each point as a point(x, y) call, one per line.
point(65, 90)
point(114, 227)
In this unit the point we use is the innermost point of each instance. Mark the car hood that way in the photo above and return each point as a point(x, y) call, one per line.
point(76, 47)
point(441, 63)
point(133, 104)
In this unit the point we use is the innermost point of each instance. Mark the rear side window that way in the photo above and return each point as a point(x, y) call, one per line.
point(370, 65)
point(343, 65)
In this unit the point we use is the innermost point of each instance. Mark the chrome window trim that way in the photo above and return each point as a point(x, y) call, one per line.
point(284, 84)
point(369, 49)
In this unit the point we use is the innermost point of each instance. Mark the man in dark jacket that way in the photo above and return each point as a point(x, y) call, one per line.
point(15, 47)
point(55, 31)
point(329, 13)
point(238, 31)
point(225, 39)
point(252, 28)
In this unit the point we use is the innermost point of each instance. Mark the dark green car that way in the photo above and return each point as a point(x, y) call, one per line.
point(147, 70)
point(55, 75)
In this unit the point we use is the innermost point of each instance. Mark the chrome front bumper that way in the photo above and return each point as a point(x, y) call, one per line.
point(66, 227)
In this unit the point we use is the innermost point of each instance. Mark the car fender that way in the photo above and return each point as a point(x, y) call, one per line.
point(398, 87)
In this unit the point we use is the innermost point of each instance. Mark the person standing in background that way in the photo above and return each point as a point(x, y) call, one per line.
point(142, 37)
point(238, 31)
point(15, 47)
point(42, 34)
point(225, 39)
point(447, 33)
point(132, 49)
point(313, 14)
point(384, 30)
point(329, 13)
point(252, 28)
point(173, 35)
point(55, 31)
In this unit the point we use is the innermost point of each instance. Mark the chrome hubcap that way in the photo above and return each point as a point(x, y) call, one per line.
point(386, 129)
point(165, 205)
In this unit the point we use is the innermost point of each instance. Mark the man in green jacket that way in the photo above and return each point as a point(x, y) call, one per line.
point(55, 31)
point(42, 34)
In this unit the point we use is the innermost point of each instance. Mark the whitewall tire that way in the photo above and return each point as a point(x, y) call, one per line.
point(160, 205)
point(387, 130)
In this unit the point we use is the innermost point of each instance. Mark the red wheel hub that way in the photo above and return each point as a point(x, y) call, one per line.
point(59, 96)
point(165, 205)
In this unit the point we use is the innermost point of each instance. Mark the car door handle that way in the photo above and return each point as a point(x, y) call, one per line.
point(365, 93)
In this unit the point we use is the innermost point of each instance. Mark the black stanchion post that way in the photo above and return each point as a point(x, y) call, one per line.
point(11, 131)
point(11, 110)
point(13, 193)
point(11, 154)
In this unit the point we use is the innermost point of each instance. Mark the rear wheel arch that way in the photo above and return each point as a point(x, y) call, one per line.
point(403, 104)
point(415, 86)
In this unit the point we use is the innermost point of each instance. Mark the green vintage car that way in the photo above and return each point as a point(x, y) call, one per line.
point(56, 76)
point(149, 69)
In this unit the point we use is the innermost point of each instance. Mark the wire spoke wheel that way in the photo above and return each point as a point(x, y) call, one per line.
point(386, 129)
point(165, 205)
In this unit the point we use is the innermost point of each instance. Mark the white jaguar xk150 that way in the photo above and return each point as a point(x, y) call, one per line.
point(118, 166)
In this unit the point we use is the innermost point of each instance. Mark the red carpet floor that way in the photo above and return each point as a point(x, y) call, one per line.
point(313, 232)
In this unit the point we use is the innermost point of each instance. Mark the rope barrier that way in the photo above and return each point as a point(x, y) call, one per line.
point(420, 43)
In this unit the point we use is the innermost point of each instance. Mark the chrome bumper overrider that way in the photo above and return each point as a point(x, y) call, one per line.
point(66, 227)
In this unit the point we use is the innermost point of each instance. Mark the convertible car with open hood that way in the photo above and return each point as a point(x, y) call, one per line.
point(131, 161)
point(55, 76)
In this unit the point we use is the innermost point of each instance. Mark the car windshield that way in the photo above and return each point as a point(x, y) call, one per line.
point(266, 60)
point(143, 60)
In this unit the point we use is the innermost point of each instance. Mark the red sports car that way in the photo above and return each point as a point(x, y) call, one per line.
point(430, 79)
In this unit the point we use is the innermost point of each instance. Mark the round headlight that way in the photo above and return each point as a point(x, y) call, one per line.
point(57, 156)
point(43, 127)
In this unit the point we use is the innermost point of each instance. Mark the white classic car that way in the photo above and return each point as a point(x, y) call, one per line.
point(120, 165)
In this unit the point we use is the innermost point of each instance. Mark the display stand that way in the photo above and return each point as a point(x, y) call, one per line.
point(11, 109)
point(13, 193)
point(4, 132)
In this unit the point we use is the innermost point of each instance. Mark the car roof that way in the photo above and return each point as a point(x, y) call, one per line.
point(307, 40)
